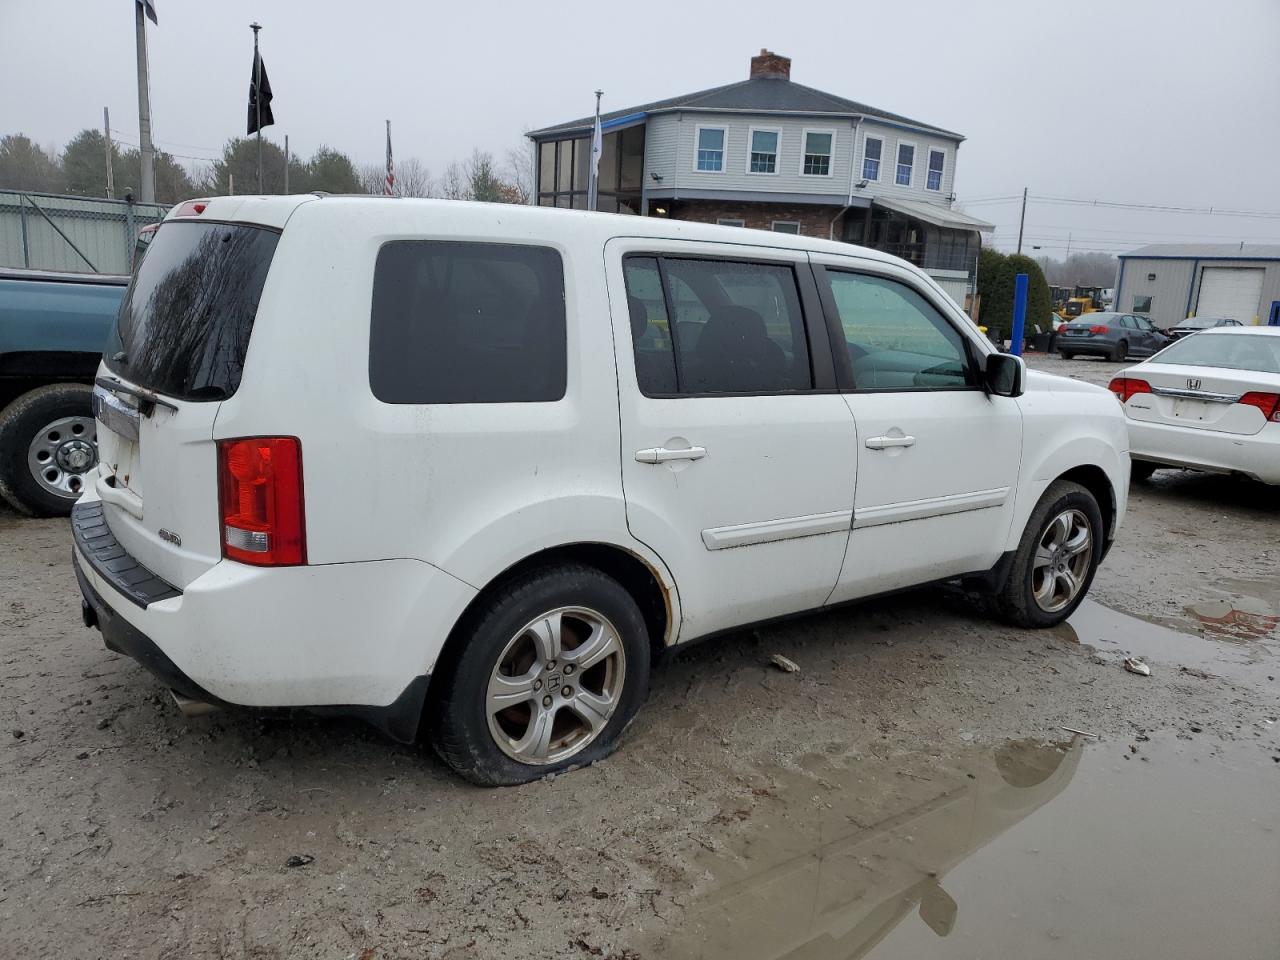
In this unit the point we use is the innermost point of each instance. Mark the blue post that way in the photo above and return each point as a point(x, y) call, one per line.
point(1019, 314)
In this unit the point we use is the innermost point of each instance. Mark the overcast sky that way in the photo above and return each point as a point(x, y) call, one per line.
point(1165, 102)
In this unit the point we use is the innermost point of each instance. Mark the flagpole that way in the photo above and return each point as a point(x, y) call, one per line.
point(257, 95)
point(147, 188)
point(593, 182)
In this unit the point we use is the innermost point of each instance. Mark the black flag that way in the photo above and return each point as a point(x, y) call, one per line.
point(259, 96)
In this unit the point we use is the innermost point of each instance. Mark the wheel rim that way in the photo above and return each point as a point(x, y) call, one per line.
point(555, 685)
point(1063, 555)
point(62, 453)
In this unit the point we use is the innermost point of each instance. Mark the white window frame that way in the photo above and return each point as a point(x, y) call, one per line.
point(777, 156)
point(773, 226)
point(897, 162)
point(804, 150)
point(880, 160)
point(731, 222)
point(724, 148)
point(942, 174)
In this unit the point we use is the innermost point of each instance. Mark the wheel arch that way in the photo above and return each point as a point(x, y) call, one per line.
point(1094, 479)
point(642, 577)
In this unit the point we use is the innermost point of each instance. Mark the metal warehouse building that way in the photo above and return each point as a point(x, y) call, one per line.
point(1172, 281)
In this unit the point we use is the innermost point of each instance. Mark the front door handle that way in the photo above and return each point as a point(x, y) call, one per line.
point(884, 443)
point(664, 454)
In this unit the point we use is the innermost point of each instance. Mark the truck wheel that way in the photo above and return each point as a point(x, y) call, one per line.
point(48, 446)
point(546, 677)
point(1056, 559)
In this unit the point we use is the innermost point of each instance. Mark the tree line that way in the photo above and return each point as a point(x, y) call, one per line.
point(80, 169)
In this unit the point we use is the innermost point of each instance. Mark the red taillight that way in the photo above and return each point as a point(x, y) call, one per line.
point(1126, 387)
point(260, 500)
point(1097, 329)
point(192, 208)
point(1268, 403)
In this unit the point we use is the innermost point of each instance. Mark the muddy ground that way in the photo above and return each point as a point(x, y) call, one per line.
point(909, 752)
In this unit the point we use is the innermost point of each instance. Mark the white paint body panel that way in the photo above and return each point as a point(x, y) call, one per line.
point(411, 510)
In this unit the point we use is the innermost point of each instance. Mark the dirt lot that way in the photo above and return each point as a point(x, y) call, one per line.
point(127, 830)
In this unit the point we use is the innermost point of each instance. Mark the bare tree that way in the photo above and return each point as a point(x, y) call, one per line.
point(455, 184)
point(413, 179)
point(518, 170)
point(373, 178)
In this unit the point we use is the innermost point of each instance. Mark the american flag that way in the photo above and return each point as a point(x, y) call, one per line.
point(391, 166)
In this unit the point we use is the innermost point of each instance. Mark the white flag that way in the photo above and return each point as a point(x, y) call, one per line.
point(597, 148)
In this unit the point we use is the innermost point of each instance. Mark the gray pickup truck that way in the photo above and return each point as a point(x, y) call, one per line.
point(53, 327)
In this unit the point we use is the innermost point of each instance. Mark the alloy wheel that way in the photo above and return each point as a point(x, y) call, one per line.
point(1062, 559)
point(555, 685)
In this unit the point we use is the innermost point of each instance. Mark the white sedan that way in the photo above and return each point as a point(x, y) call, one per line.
point(1210, 401)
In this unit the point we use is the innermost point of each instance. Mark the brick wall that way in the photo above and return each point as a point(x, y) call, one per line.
point(815, 221)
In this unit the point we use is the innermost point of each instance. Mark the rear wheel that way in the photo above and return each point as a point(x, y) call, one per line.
point(1068, 356)
point(547, 677)
point(1056, 559)
point(48, 446)
point(1141, 470)
point(1121, 351)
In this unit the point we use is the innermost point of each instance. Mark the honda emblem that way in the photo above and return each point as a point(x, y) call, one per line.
point(1193, 383)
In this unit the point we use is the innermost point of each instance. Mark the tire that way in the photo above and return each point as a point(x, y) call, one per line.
point(1141, 470)
point(48, 443)
point(1017, 600)
point(1120, 352)
point(508, 637)
point(1068, 356)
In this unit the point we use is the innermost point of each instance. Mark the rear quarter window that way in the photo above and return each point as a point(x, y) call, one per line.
point(461, 322)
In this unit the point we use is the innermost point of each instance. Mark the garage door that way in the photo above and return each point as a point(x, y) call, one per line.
point(1230, 292)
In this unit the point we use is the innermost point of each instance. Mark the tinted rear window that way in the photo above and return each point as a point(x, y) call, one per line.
point(1232, 351)
point(457, 322)
point(184, 324)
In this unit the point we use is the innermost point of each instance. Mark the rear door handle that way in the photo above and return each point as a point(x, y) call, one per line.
point(664, 454)
point(884, 443)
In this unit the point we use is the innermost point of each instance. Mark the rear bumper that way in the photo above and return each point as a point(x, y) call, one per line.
point(353, 638)
point(1090, 345)
point(1256, 455)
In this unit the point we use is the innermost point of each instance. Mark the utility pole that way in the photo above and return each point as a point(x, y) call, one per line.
point(1068, 256)
point(257, 95)
point(286, 164)
point(147, 188)
point(106, 137)
point(1022, 222)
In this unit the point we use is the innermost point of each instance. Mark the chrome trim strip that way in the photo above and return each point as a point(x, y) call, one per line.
point(116, 414)
point(1196, 395)
point(768, 531)
point(930, 507)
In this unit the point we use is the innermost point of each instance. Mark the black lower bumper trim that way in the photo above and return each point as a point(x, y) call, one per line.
point(112, 562)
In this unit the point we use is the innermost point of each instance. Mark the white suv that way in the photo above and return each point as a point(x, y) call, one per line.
point(478, 465)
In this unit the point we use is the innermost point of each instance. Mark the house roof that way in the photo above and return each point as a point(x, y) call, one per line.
point(755, 95)
point(1207, 251)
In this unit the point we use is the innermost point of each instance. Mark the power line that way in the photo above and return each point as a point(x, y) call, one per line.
point(1126, 205)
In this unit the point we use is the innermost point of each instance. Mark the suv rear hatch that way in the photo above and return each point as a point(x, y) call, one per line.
point(177, 351)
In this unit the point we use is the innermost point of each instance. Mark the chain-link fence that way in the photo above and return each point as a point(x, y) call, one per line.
point(45, 231)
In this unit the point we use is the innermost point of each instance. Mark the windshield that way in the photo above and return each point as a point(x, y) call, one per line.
point(1197, 323)
point(184, 324)
point(1258, 352)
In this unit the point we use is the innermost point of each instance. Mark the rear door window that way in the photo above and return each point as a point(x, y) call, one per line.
point(184, 325)
point(459, 322)
point(720, 326)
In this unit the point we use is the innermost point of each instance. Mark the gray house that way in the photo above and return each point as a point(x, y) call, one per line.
point(772, 154)
point(1171, 281)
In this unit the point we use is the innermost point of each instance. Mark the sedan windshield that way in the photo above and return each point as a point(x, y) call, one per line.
point(1258, 352)
point(1198, 323)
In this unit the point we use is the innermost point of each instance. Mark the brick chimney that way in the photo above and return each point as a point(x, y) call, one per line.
point(771, 66)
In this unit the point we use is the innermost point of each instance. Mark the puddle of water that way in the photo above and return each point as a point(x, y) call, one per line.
point(1026, 851)
point(1109, 630)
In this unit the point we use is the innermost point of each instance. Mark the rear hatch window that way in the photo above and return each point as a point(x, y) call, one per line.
point(184, 325)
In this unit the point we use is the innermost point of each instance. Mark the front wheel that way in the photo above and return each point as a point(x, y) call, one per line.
point(1068, 356)
point(547, 677)
point(48, 446)
point(1056, 559)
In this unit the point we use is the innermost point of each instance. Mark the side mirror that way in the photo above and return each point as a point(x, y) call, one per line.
point(1006, 374)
